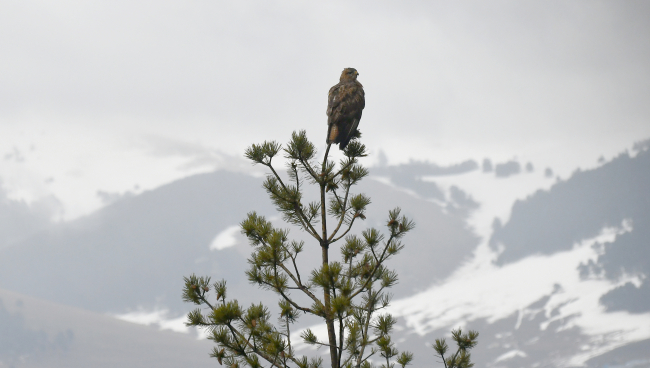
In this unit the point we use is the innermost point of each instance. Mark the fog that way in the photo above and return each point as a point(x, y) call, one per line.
point(515, 132)
point(107, 96)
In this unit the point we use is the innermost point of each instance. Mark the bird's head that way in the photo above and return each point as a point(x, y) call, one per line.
point(349, 74)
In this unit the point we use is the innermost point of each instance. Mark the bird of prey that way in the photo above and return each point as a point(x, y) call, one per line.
point(344, 106)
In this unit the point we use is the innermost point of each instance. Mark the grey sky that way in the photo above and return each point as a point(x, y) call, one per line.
point(558, 83)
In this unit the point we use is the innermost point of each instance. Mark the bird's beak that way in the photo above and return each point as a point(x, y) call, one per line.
point(357, 73)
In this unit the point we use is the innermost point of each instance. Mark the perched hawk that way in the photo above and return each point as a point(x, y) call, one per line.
point(344, 106)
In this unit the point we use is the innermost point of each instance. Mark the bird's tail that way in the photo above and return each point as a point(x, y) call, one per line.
point(351, 133)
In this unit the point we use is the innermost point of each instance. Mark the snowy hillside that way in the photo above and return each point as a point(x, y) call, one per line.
point(552, 272)
point(560, 278)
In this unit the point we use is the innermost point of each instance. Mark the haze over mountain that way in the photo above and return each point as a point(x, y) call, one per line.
point(125, 97)
point(500, 127)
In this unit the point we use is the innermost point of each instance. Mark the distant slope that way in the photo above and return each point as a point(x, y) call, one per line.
point(73, 338)
point(19, 220)
point(636, 354)
point(549, 312)
point(552, 221)
point(136, 251)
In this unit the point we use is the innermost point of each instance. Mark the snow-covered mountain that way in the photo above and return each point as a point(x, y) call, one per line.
point(552, 272)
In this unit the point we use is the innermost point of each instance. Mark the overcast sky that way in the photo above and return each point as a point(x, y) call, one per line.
point(113, 95)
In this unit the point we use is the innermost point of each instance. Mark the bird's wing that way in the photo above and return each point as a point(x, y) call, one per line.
point(333, 99)
point(362, 97)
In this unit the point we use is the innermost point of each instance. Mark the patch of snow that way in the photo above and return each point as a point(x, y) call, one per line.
point(389, 183)
point(226, 238)
point(497, 292)
point(495, 195)
point(156, 317)
point(174, 324)
point(511, 354)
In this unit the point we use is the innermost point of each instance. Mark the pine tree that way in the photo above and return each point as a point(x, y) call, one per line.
point(348, 295)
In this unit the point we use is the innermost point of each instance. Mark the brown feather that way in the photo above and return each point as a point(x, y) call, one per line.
point(344, 107)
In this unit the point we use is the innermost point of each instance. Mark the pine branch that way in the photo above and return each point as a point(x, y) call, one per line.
point(344, 212)
point(303, 288)
point(246, 337)
point(306, 225)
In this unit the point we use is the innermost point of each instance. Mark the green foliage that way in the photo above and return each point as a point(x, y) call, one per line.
point(461, 358)
point(348, 295)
